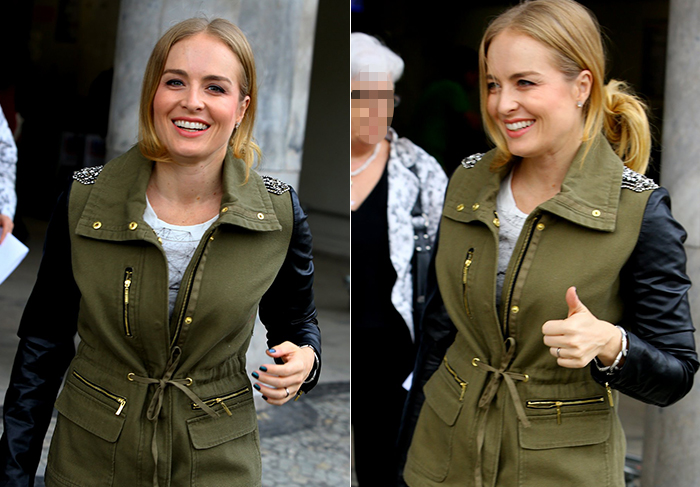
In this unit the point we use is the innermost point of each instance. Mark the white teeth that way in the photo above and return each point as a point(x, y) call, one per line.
point(190, 125)
point(519, 125)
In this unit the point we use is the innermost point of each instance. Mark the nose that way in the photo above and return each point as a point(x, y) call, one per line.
point(507, 101)
point(192, 99)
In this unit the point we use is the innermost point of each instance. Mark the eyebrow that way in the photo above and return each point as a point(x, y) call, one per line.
point(524, 74)
point(209, 77)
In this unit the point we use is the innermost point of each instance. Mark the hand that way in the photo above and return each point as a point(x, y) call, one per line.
point(279, 383)
point(579, 338)
point(7, 226)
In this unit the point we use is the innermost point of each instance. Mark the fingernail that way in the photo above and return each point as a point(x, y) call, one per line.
point(263, 368)
point(257, 387)
point(272, 350)
point(255, 374)
point(264, 397)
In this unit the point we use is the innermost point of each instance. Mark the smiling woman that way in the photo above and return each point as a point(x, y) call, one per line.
point(165, 254)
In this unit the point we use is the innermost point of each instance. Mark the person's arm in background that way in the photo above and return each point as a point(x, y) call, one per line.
point(8, 171)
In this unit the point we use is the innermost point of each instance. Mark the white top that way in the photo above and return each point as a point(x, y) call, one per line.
point(179, 243)
point(8, 169)
point(512, 221)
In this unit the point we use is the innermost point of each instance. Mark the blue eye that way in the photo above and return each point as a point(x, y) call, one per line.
point(524, 82)
point(174, 82)
point(216, 89)
point(492, 86)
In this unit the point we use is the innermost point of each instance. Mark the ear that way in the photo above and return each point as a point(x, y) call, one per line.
point(582, 86)
point(242, 107)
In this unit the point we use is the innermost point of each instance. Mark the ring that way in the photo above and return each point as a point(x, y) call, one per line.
point(558, 350)
point(287, 391)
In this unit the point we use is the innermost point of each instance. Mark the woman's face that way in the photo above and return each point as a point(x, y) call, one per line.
point(197, 103)
point(372, 107)
point(531, 101)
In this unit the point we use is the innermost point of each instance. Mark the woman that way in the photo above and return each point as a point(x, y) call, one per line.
point(159, 260)
point(389, 176)
point(560, 268)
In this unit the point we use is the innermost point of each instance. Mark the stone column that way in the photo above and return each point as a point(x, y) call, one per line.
point(281, 33)
point(672, 435)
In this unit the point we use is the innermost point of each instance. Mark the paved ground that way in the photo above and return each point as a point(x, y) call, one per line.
point(303, 443)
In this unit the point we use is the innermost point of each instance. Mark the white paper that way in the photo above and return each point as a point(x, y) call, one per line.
point(12, 251)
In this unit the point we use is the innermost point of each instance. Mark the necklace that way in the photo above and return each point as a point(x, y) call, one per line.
point(366, 164)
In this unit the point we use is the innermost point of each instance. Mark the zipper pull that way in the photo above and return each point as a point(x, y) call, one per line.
point(467, 264)
point(559, 404)
point(221, 401)
point(127, 285)
point(610, 394)
point(122, 403)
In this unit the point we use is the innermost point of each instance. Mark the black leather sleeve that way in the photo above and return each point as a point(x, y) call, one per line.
point(47, 330)
point(435, 333)
point(287, 309)
point(662, 359)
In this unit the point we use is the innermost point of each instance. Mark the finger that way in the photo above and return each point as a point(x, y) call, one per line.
point(573, 302)
point(282, 350)
point(276, 396)
point(553, 328)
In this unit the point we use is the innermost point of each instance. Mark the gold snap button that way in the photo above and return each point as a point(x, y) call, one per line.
point(540, 226)
point(514, 310)
point(261, 216)
point(160, 240)
point(497, 222)
point(460, 207)
point(133, 226)
point(475, 360)
point(475, 206)
point(130, 376)
point(188, 320)
point(211, 238)
point(224, 209)
point(595, 212)
point(97, 225)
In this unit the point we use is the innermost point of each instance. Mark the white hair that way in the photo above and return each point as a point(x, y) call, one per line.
point(371, 60)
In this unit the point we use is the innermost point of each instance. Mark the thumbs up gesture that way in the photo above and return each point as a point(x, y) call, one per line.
point(576, 340)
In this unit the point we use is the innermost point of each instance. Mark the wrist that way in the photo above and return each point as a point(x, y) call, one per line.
point(603, 361)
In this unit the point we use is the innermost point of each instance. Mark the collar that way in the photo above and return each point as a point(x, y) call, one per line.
point(589, 196)
point(115, 206)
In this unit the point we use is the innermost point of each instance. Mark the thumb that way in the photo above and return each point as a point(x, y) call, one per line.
point(574, 303)
point(281, 349)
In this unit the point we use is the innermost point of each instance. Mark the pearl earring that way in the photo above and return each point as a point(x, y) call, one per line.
point(579, 104)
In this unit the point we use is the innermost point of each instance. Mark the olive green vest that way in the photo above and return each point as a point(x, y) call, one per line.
point(500, 410)
point(144, 386)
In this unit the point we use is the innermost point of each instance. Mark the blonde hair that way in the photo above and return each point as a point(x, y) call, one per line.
point(241, 140)
point(573, 35)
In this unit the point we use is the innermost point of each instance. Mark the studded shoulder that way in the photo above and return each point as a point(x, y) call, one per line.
point(470, 162)
point(637, 182)
point(87, 175)
point(275, 186)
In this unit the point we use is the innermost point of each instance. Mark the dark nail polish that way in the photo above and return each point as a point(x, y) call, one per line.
point(263, 368)
point(255, 374)
point(257, 387)
point(264, 397)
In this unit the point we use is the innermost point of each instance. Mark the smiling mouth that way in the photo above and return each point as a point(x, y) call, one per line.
point(190, 126)
point(519, 125)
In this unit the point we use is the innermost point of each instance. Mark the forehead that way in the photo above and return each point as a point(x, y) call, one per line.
point(512, 52)
point(203, 54)
point(358, 84)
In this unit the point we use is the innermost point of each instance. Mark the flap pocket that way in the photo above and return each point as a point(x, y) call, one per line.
point(208, 432)
point(445, 392)
point(90, 413)
point(576, 429)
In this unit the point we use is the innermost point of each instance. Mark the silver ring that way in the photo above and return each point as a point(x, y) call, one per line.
point(287, 391)
point(558, 350)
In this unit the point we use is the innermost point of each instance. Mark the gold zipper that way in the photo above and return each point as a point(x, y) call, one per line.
point(516, 270)
point(128, 274)
point(220, 400)
point(188, 291)
point(465, 274)
point(610, 394)
point(462, 384)
point(559, 404)
point(92, 385)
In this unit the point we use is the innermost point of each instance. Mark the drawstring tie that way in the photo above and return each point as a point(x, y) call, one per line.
point(490, 392)
point(157, 401)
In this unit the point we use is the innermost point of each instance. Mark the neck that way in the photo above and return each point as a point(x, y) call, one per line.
point(186, 185)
